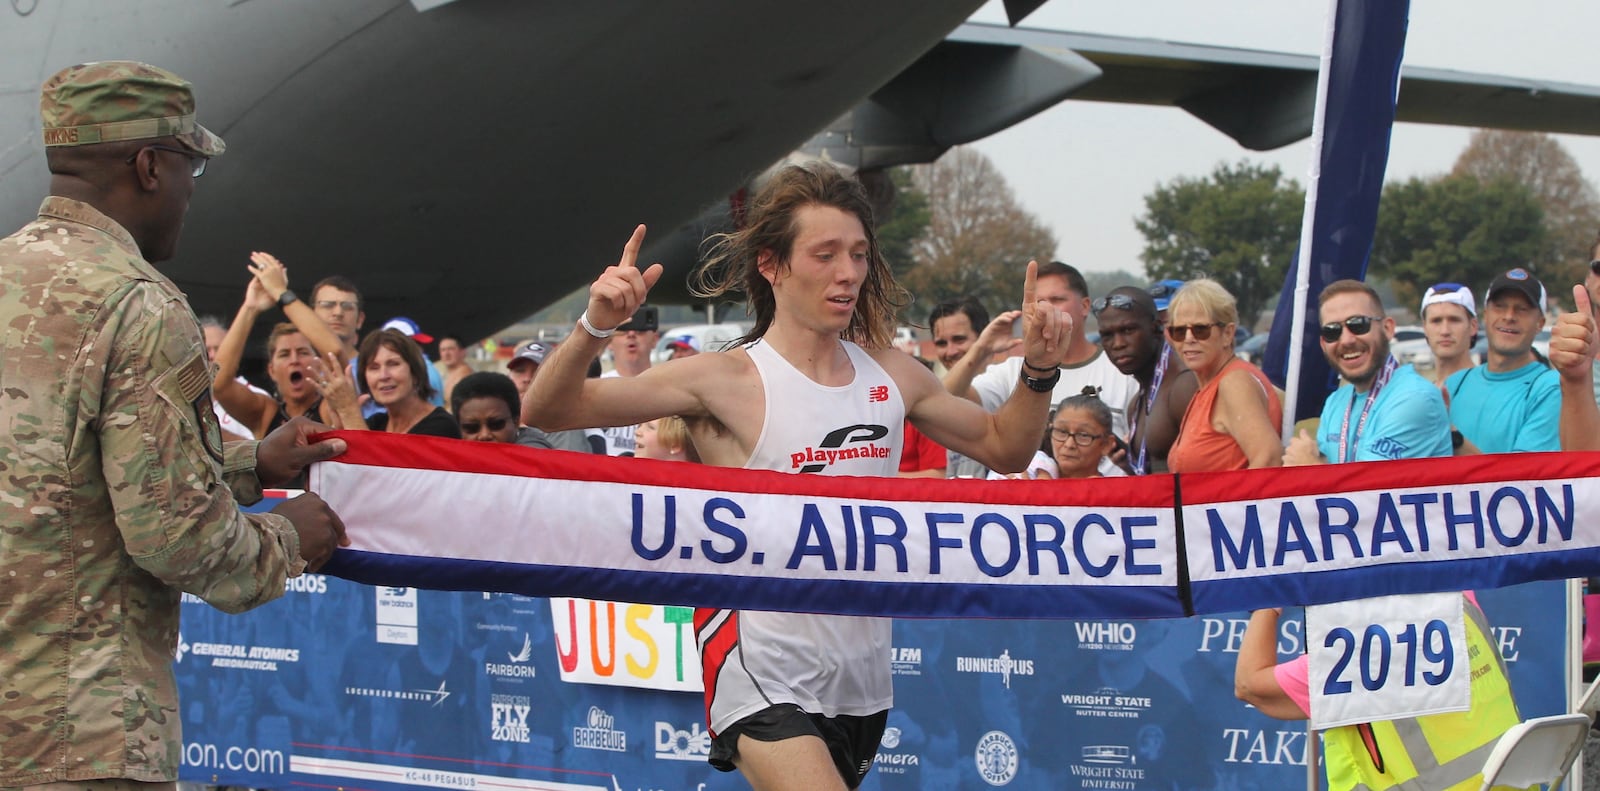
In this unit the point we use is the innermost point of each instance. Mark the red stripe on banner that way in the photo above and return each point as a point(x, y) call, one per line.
point(381, 449)
point(1222, 487)
point(715, 649)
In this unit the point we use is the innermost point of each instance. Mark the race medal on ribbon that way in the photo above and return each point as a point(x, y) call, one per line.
point(1387, 658)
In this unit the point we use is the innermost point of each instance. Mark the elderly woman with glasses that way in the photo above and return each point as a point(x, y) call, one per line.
point(1232, 421)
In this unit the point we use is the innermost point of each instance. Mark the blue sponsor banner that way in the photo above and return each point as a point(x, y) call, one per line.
point(347, 685)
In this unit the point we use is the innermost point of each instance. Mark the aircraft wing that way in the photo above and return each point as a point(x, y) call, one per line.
point(1264, 100)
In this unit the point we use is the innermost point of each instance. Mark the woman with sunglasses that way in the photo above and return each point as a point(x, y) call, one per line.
point(1232, 421)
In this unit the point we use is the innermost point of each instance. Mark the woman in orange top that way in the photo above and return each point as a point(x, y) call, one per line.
point(1233, 421)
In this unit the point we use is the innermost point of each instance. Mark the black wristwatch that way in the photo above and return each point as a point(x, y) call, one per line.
point(285, 298)
point(1040, 384)
point(1457, 439)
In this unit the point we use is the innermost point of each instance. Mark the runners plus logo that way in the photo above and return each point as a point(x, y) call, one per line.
point(878, 394)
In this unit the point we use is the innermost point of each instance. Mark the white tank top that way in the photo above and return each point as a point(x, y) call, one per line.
point(826, 664)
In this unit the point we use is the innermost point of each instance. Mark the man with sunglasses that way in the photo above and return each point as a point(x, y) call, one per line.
point(1450, 323)
point(1131, 335)
point(120, 491)
point(1512, 402)
point(1384, 410)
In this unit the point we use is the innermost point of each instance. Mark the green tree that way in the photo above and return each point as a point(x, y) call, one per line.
point(1571, 208)
point(1238, 226)
point(979, 240)
point(1454, 228)
point(904, 223)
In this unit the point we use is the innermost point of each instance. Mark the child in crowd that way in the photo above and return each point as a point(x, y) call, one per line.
point(666, 439)
point(1080, 436)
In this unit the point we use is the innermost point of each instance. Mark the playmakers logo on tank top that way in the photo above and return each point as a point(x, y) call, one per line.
point(842, 444)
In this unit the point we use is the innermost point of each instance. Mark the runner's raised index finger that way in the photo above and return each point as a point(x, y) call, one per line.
point(630, 251)
point(1028, 279)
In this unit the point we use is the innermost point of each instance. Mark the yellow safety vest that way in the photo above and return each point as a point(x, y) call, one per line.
point(1437, 752)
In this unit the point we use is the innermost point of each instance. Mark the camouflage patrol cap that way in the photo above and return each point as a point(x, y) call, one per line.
point(116, 100)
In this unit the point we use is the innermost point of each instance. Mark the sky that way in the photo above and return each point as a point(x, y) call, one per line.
point(1085, 167)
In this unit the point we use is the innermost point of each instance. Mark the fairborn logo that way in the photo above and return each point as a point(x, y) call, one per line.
point(676, 744)
point(517, 668)
point(1106, 635)
point(527, 650)
point(601, 733)
point(997, 758)
point(508, 718)
point(893, 763)
point(1002, 664)
point(905, 661)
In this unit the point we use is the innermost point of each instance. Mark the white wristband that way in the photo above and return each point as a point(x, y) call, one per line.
point(583, 321)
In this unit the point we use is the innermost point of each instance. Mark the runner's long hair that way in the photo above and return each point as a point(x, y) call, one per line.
point(732, 261)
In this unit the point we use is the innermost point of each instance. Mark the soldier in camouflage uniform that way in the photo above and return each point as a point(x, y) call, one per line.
point(118, 490)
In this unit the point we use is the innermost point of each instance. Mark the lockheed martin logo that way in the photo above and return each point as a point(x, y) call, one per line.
point(437, 695)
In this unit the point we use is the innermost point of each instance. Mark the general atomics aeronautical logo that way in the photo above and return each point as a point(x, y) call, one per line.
point(600, 733)
point(997, 758)
point(1002, 664)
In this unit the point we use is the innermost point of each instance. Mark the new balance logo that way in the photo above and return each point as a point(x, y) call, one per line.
point(878, 394)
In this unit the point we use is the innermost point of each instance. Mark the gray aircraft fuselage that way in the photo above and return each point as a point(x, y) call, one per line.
point(469, 163)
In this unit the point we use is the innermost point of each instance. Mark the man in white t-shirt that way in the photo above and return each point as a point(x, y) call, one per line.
point(1085, 365)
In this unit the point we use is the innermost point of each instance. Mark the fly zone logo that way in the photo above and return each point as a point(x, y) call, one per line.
point(508, 718)
point(832, 448)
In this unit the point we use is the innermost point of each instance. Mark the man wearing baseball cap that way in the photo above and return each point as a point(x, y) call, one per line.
point(522, 367)
point(524, 363)
point(683, 346)
point(121, 491)
point(1512, 402)
point(1450, 324)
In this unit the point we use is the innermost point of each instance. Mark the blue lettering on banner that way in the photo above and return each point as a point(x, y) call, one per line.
point(724, 529)
point(1397, 526)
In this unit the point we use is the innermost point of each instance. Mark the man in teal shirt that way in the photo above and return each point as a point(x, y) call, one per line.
point(1386, 410)
point(1512, 402)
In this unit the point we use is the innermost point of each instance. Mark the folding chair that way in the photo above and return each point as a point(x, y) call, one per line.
point(1540, 750)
